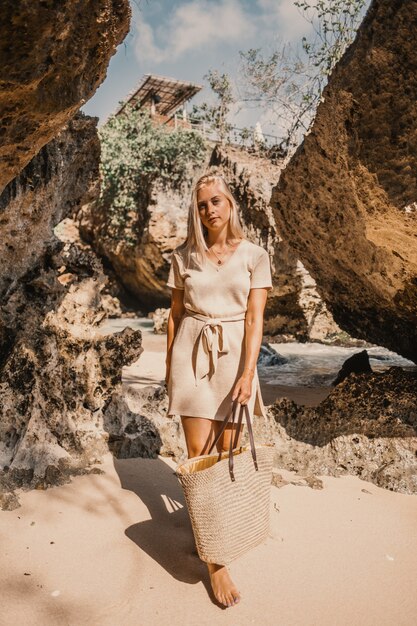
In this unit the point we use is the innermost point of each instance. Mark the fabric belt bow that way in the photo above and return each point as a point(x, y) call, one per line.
point(211, 342)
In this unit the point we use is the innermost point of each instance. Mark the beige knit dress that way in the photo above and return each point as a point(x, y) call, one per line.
point(208, 353)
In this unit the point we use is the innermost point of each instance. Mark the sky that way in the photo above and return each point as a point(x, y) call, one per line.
point(183, 39)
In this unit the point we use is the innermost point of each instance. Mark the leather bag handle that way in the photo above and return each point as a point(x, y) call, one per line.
point(251, 438)
point(232, 413)
point(224, 424)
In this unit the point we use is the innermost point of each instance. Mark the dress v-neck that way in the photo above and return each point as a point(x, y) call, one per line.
point(219, 266)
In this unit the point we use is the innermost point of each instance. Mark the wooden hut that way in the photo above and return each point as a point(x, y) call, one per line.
point(166, 99)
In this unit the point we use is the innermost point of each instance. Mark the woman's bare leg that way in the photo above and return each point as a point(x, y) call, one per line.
point(200, 433)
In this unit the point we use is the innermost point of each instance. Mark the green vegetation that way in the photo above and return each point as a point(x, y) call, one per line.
point(288, 80)
point(216, 114)
point(135, 152)
point(291, 82)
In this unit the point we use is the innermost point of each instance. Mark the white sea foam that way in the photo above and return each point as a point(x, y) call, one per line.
point(316, 364)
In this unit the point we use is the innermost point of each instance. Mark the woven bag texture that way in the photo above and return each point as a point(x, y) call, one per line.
point(229, 517)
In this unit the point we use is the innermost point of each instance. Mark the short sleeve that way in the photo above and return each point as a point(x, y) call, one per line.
point(261, 273)
point(175, 278)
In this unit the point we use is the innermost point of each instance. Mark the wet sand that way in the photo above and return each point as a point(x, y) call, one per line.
point(308, 396)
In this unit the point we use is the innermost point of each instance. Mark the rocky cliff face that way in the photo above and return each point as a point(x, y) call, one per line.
point(346, 203)
point(366, 427)
point(46, 191)
point(53, 56)
point(57, 372)
point(294, 307)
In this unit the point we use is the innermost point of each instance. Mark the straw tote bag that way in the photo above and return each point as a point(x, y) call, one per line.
point(228, 495)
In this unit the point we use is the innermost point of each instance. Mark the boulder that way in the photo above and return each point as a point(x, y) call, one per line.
point(366, 427)
point(268, 357)
point(358, 363)
point(53, 56)
point(346, 202)
point(137, 423)
point(160, 321)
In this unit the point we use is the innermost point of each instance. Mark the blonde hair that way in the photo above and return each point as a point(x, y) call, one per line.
point(196, 231)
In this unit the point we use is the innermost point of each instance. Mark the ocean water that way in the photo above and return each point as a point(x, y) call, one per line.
point(316, 364)
point(307, 364)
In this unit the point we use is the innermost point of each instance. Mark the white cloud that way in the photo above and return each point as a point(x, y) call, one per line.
point(284, 18)
point(145, 47)
point(196, 25)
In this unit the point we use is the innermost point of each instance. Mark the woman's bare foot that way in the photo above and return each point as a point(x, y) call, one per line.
point(223, 587)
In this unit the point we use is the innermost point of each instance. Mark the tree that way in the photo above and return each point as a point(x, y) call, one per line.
point(216, 114)
point(135, 152)
point(290, 81)
point(335, 24)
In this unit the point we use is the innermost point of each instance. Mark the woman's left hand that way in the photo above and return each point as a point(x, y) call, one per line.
point(243, 389)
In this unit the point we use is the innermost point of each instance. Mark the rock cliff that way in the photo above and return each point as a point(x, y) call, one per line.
point(346, 202)
point(294, 307)
point(158, 225)
point(57, 372)
point(53, 56)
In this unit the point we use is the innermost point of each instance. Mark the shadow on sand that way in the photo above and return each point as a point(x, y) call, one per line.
point(167, 537)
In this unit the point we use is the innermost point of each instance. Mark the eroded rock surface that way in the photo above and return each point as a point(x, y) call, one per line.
point(57, 371)
point(367, 427)
point(59, 374)
point(160, 321)
point(47, 190)
point(157, 226)
point(53, 56)
point(137, 422)
point(346, 202)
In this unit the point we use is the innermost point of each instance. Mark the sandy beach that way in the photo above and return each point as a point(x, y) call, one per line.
point(117, 549)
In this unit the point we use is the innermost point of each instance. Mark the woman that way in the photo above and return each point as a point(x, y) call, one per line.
point(219, 284)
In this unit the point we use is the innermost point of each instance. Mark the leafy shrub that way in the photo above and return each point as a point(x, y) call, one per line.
point(136, 152)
